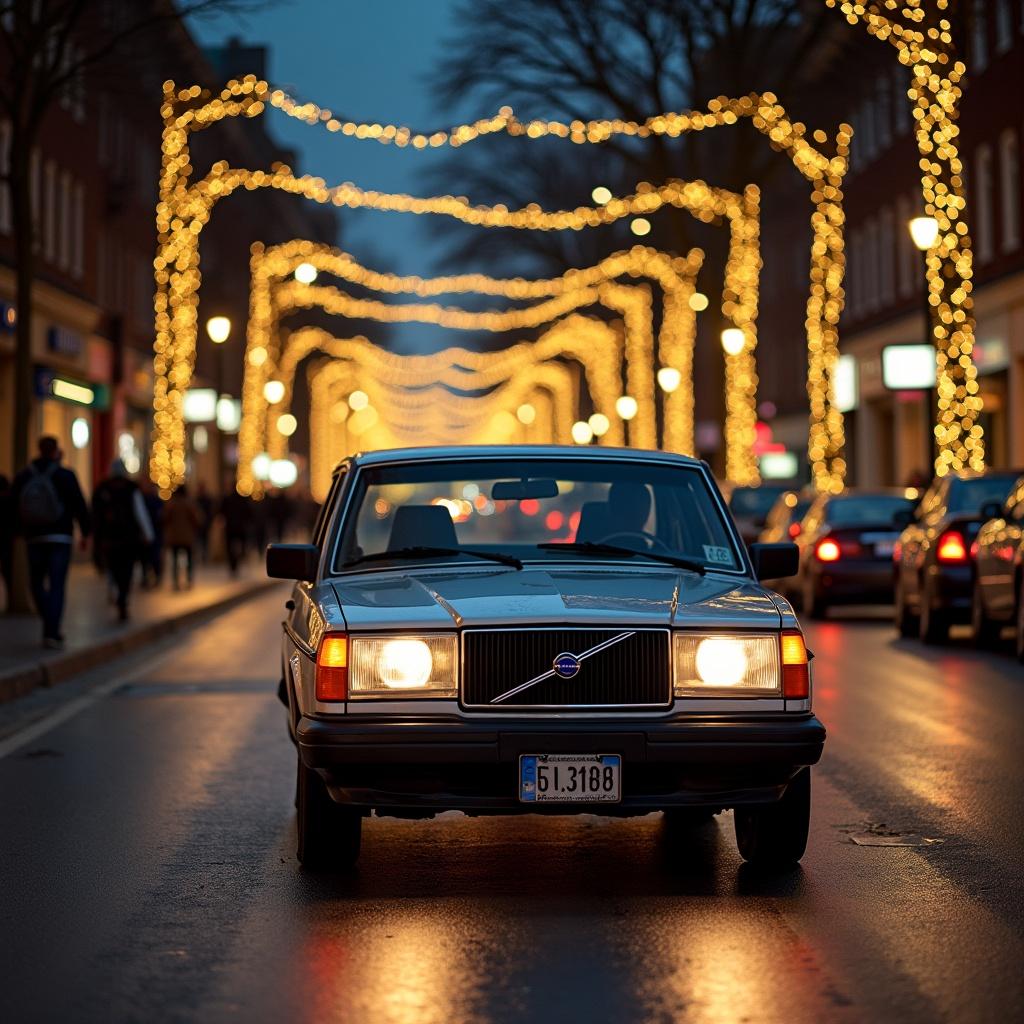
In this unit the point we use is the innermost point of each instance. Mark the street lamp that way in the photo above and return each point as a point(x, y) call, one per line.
point(733, 341)
point(924, 231)
point(626, 407)
point(305, 273)
point(601, 195)
point(218, 330)
point(669, 379)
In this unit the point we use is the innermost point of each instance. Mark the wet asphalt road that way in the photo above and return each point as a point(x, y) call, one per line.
point(148, 869)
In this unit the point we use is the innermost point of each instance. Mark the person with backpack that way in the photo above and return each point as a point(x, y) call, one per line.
point(123, 529)
point(48, 502)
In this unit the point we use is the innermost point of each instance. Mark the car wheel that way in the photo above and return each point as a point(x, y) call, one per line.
point(1018, 633)
point(984, 631)
point(775, 836)
point(933, 625)
point(906, 621)
point(329, 835)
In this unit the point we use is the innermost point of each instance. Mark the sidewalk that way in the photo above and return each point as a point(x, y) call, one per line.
point(93, 633)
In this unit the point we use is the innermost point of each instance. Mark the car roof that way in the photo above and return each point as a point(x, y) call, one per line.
point(440, 453)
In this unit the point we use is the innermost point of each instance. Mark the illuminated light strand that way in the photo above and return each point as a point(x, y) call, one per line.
point(181, 217)
point(924, 45)
point(274, 293)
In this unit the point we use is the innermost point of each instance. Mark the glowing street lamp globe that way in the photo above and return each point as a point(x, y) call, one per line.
point(733, 341)
point(305, 273)
point(218, 329)
point(924, 231)
point(273, 391)
point(626, 407)
point(669, 379)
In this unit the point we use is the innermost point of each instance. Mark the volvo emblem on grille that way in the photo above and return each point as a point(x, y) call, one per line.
point(566, 665)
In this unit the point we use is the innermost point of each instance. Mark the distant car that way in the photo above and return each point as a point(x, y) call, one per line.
point(998, 598)
point(933, 564)
point(750, 507)
point(783, 522)
point(846, 545)
point(507, 630)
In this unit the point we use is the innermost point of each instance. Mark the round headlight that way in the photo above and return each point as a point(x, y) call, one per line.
point(405, 664)
point(721, 661)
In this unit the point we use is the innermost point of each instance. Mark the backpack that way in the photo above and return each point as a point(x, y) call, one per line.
point(39, 505)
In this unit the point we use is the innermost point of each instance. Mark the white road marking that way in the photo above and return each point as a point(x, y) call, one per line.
point(68, 711)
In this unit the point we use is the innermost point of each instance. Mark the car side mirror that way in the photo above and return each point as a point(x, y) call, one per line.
point(991, 510)
point(293, 561)
point(775, 561)
point(902, 518)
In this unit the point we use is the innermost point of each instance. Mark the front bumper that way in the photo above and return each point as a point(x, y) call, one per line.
point(403, 764)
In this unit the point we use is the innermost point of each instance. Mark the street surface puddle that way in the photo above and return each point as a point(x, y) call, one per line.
point(877, 833)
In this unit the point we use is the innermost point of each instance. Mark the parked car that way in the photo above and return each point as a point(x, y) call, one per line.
point(750, 507)
point(846, 545)
point(933, 564)
point(503, 630)
point(783, 522)
point(998, 598)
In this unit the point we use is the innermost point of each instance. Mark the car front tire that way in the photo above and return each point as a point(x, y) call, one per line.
point(775, 836)
point(329, 835)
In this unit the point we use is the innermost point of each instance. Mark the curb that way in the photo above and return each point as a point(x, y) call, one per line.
point(17, 682)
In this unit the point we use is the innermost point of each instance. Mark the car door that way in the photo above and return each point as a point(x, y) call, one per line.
point(914, 540)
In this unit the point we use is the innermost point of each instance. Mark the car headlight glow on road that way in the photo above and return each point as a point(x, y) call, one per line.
point(730, 665)
point(402, 666)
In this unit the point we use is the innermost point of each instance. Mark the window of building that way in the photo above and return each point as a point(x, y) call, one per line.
point(78, 232)
point(867, 128)
point(1009, 189)
point(65, 219)
point(901, 105)
point(983, 201)
point(979, 36)
point(50, 210)
point(5, 168)
point(1004, 26)
point(871, 267)
point(855, 289)
point(887, 258)
point(904, 247)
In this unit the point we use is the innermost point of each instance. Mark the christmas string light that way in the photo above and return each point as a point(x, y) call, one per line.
point(924, 45)
point(184, 208)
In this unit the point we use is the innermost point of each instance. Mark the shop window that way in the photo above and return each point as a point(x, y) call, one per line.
point(983, 201)
point(1009, 189)
point(979, 37)
point(1004, 26)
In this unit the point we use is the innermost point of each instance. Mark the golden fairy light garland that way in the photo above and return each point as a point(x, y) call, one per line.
point(275, 293)
point(924, 44)
point(184, 208)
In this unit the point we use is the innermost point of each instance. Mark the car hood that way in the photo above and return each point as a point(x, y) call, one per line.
point(441, 598)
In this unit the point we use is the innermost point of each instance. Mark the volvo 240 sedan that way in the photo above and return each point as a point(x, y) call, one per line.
point(501, 630)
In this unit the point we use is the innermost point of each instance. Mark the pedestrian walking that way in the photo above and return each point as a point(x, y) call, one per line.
point(123, 530)
point(206, 508)
point(48, 502)
point(279, 512)
point(182, 525)
point(153, 555)
point(234, 510)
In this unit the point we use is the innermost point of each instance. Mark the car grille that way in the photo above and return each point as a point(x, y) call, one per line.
point(631, 674)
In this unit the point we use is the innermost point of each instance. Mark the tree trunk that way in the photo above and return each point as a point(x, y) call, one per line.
point(18, 600)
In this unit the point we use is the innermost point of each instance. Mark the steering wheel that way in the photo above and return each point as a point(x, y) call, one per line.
point(651, 543)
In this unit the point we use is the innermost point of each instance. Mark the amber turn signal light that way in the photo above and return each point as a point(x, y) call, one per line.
point(796, 680)
point(332, 668)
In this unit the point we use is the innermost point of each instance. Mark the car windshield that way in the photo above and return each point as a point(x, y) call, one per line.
point(968, 496)
point(536, 510)
point(754, 501)
point(866, 509)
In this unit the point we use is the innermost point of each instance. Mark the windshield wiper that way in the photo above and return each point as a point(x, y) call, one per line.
point(423, 551)
point(591, 547)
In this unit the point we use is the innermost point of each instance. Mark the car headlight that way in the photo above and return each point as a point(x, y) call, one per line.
point(401, 666)
point(727, 664)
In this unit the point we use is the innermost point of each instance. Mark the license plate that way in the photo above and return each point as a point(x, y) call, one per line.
point(570, 778)
point(885, 549)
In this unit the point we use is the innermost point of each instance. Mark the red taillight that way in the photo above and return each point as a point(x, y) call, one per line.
point(974, 550)
point(794, 530)
point(897, 552)
point(796, 678)
point(827, 550)
point(332, 668)
point(951, 549)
